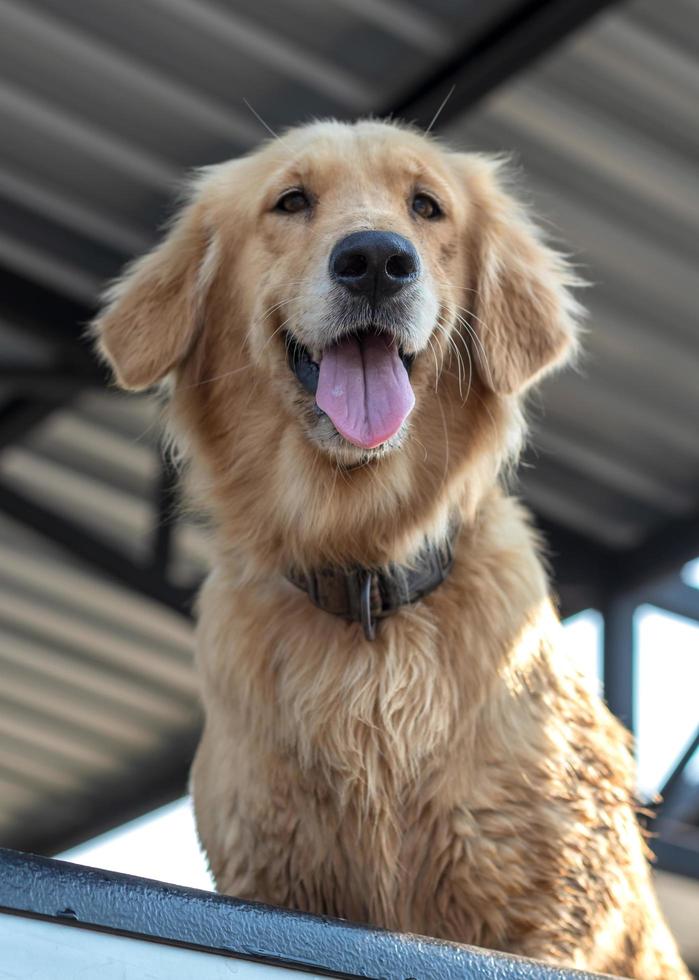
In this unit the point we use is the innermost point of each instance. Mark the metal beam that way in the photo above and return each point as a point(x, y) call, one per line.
point(677, 774)
point(674, 596)
point(587, 574)
point(98, 554)
point(59, 323)
point(513, 43)
point(49, 315)
point(20, 416)
point(47, 384)
point(582, 570)
point(663, 552)
point(618, 666)
point(676, 857)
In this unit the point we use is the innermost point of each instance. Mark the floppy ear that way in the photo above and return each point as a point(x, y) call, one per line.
point(152, 312)
point(524, 315)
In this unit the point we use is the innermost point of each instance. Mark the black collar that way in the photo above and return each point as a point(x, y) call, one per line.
point(363, 595)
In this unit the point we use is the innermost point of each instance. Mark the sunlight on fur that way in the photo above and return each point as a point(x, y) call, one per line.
point(348, 320)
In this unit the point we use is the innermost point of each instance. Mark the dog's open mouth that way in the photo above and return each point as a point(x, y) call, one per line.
point(361, 382)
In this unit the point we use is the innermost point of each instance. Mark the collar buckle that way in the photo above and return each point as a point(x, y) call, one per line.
point(366, 616)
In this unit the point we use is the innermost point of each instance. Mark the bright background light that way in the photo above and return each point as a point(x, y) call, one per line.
point(667, 668)
point(161, 845)
point(584, 636)
point(690, 573)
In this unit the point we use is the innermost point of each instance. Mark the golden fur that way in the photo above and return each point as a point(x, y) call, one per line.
point(455, 777)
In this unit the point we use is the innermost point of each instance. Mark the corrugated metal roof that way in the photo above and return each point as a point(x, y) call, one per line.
point(604, 131)
point(96, 681)
point(103, 106)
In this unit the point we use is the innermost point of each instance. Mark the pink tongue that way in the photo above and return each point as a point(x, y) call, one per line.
point(364, 388)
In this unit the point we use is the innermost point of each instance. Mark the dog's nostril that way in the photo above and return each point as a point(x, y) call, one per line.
point(400, 266)
point(351, 266)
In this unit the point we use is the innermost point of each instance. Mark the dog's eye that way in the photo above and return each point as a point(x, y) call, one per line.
point(292, 202)
point(426, 207)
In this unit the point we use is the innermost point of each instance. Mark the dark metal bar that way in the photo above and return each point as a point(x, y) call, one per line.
point(618, 667)
point(107, 560)
point(675, 777)
point(31, 308)
point(20, 416)
point(513, 43)
point(587, 574)
point(44, 384)
point(675, 858)
point(663, 552)
point(103, 900)
point(46, 314)
point(674, 596)
point(582, 571)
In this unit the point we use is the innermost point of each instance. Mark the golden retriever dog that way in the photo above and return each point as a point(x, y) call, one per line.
point(349, 319)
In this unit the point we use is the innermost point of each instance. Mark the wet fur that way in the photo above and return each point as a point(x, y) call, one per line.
point(455, 777)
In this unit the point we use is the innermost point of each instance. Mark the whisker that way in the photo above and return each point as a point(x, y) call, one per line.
point(445, 429)
point(461, 368)
point(455, 308)
point(422, 446)
point(438, 113)
point(442, 328)
point(215, 377)
point(490, 414)
point(261, 120)
point(245, 367)
point(468, 355)
point(476, 339)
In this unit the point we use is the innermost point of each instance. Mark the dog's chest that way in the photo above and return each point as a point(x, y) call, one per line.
point(380, 794)
point(416, 862)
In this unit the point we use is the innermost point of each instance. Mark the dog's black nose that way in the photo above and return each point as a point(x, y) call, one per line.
point(374, 264)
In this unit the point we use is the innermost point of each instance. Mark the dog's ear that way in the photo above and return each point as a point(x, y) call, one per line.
point(523, 313)
point(152, 312)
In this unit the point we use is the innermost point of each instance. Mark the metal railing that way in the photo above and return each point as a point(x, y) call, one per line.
point(111, 909)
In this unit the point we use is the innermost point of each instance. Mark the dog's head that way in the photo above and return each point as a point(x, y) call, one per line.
point(350, 279)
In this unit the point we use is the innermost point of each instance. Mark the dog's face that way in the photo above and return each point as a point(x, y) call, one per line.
point(341, 274)
point(360, 244)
